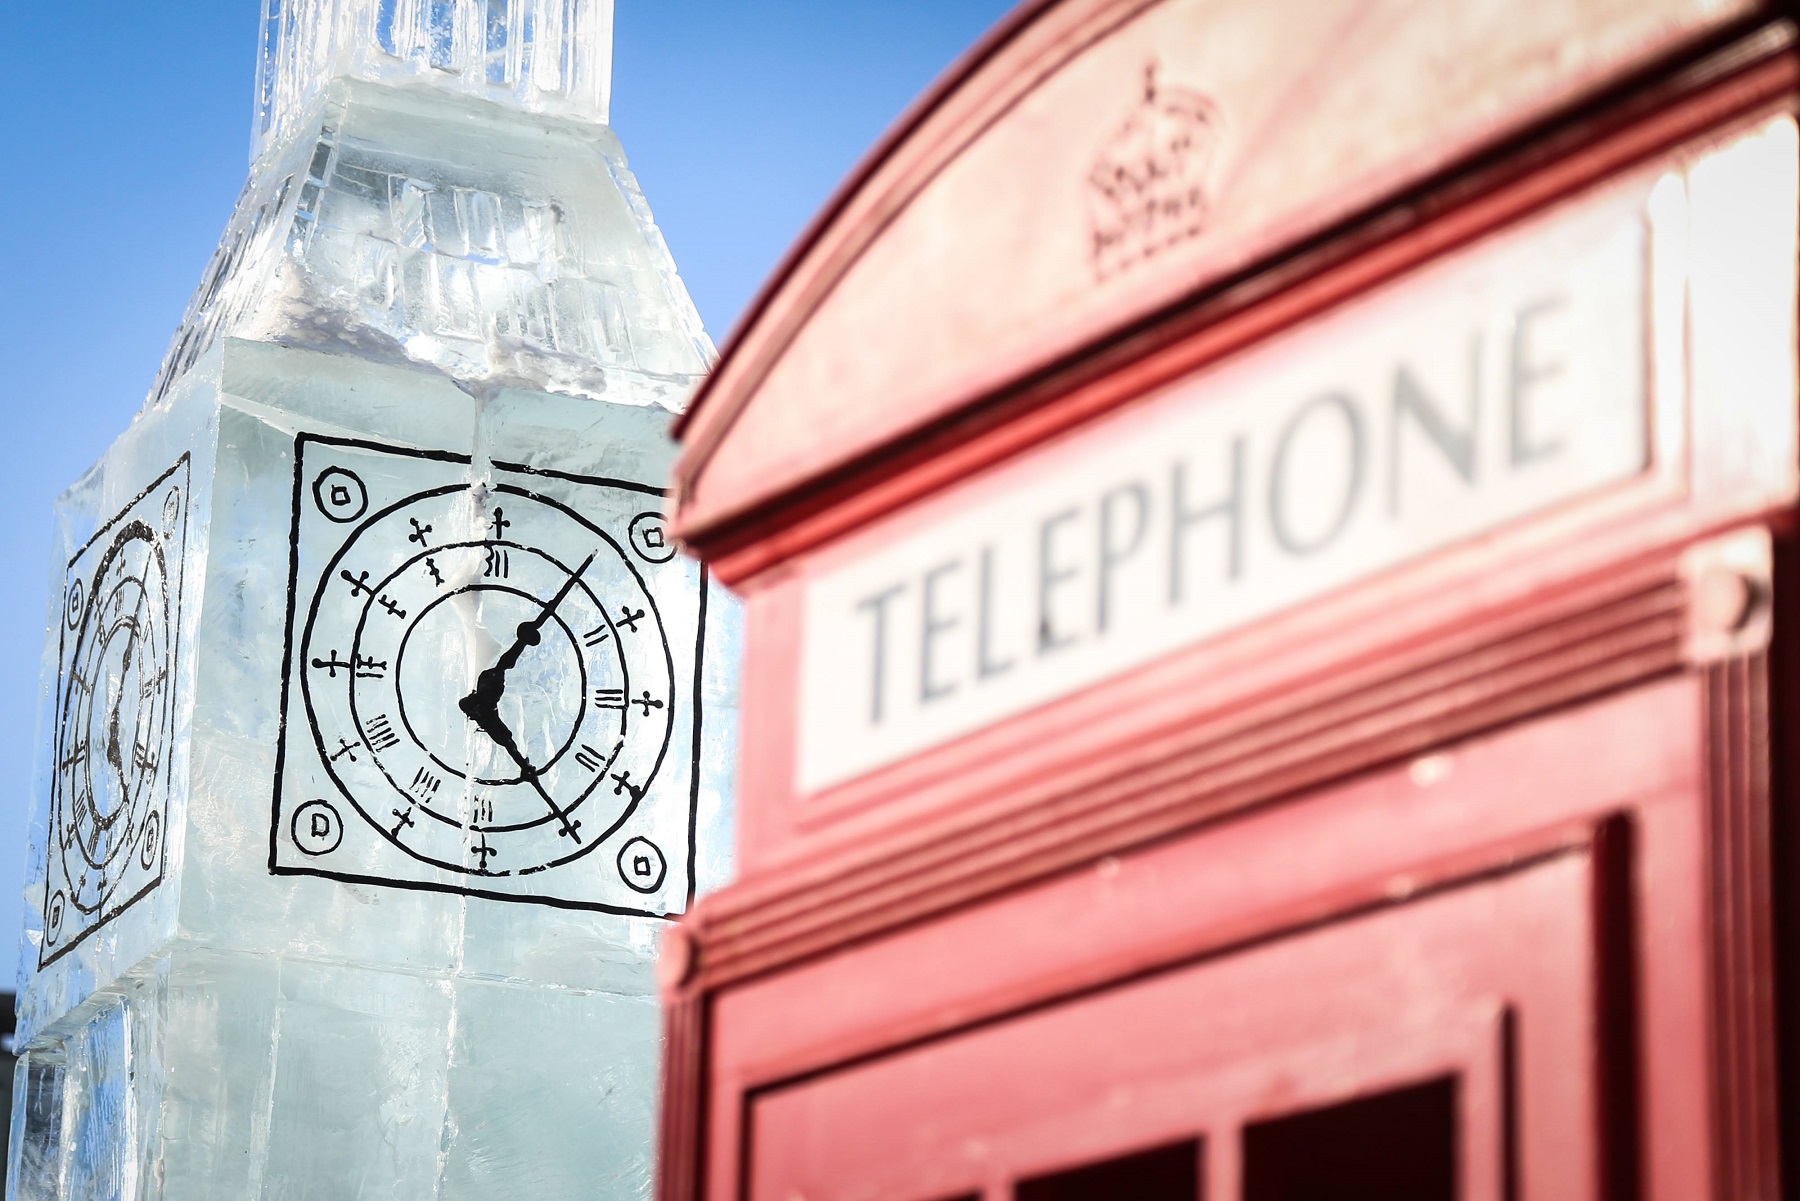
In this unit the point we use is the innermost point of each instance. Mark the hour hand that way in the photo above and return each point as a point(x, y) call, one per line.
point(483, 704)
point(487, 719)
point(113, 754)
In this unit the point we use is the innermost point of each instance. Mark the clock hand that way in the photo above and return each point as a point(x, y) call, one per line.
point(492, 682)
point(112, 740)
point(488, 719)
point(113, 755)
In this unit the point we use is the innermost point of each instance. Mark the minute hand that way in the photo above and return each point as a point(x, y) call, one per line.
point(492, 682)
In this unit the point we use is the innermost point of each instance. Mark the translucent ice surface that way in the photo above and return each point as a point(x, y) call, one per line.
point(221, 1077)
point(382, 725)
point(538, 56)
point(405, 225)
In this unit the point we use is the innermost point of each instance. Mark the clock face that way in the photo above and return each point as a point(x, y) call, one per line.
point(115, 715)
point(489, 682)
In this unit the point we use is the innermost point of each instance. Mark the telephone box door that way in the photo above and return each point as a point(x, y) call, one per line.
point(1439, 1047)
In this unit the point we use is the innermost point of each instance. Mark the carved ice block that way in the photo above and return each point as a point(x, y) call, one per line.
point(382, 725)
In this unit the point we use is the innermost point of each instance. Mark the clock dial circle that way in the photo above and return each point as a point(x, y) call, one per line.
point(487, 679)
point(116, 718)
point(545, 721)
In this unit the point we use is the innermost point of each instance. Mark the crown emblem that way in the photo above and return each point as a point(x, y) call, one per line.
point(1148, 189)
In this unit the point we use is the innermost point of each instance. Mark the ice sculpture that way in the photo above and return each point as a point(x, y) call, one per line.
point(381, 723)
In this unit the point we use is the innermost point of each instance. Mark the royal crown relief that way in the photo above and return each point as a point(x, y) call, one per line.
point(1150, 188)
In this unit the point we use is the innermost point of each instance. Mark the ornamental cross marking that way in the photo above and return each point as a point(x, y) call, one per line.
point(332, 665)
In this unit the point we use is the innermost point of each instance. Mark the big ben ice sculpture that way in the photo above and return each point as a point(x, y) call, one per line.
point(382, 725)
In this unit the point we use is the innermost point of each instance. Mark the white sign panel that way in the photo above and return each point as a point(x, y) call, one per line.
point(1483, 389)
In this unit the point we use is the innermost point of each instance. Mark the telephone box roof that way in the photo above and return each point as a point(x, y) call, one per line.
point(1092, 166)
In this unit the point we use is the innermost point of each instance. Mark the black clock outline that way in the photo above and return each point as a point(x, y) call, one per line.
point(575, 727)
point(290, 786)
point(406, 720)
point(106, 619)
point(151, 628)
point(306, 644)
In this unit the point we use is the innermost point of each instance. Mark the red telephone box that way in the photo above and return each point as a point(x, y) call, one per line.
point(1267, 536)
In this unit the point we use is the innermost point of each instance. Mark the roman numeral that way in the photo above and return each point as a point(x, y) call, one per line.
point(378, 732)
point(588, 757)
point(425, 784)
point(596, 636)
point(609, 698)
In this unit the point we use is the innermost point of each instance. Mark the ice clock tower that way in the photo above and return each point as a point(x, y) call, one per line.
point(382, 725)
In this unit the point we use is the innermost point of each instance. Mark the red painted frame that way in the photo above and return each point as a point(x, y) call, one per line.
point(1642, 780)
point(970, 891)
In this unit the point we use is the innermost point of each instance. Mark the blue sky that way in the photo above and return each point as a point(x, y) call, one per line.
point(124, 128)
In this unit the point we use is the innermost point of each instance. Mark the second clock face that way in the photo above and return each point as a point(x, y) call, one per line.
point(116, 715)
point(487, 679)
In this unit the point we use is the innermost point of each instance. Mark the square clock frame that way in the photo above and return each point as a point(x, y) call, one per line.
point(490, 682)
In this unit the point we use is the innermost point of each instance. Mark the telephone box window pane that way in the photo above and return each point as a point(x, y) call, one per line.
point(1395, 1146)
point(1169, 1173)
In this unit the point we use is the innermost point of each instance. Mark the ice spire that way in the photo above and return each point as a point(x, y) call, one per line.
point(433, 182)
point(539, 56)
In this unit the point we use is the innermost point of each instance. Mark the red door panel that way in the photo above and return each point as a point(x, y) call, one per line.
point(1464, 998)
